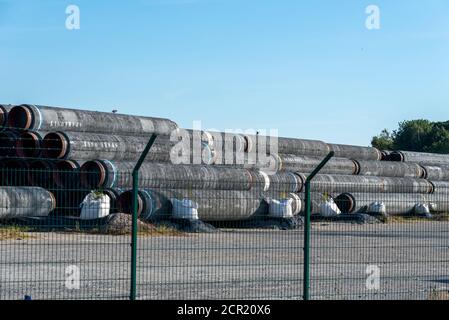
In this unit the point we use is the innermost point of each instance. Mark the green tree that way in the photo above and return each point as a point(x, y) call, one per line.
point(384, 141)
point(415, 135)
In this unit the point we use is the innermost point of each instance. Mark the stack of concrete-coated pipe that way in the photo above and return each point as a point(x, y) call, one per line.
point(16, 202)
point(231, 176)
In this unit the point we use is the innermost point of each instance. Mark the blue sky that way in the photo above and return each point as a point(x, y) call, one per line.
point(309, 69)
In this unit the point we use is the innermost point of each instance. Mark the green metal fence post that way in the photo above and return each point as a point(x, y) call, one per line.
point(306, 278)
point(135, 176)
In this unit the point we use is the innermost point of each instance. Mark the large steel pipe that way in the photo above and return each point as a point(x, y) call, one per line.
point(213, 205)
point(385, 155)
point(266, 144)
point(35, 117)
point(355, 152)
point(306, 164)
point(107, 174)
point(66, 173)
point(4, 110)
point(8, 139)
point(440, 187)
point(40, 173)
point(29, 144)
point(228, 148)
point(87, 146)
point(17, 202)
point(285, 182)
point(420, 157)
point(389, 169)
point(270, 163)
point(395, 203)
point(370, 184)
point(436, 173)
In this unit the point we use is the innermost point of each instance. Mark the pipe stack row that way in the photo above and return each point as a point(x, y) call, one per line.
point(70, 152)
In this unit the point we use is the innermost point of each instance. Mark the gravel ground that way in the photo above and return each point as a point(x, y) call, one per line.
point(412, 260)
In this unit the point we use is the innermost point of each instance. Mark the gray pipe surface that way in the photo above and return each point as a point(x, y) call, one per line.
point(107, 174)
point(18, 202)
point(436, 173)
point(306, 164)
point(440, 187)
point(355, 152)
point(369, 184)
point(213, 205)
point(389, 169)
point(87, 146)
point(285, 182)
point(36, 117)
point(261, 144)
point(420, 157)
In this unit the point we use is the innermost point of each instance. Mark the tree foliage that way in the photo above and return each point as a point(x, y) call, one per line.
point(415, 135)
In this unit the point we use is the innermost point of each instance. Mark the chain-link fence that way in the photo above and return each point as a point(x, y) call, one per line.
point(209, 239)
point(390, 240)
point(377, 240)
point(76, 222)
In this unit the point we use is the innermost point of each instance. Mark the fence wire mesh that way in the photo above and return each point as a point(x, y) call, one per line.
point(215, 231)
point(388, 242)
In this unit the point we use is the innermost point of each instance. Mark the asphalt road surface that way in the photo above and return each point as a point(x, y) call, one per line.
point(349, 261)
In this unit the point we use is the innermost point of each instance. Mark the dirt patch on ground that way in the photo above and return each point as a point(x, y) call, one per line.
point(14, 233)
point(121, 224)
point(438, 295)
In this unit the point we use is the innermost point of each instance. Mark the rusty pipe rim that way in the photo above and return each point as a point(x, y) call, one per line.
point(20, 117)
point(95, 167)
point(28, 145)
point(55, 145)
point(63, 166)
point(124, 202)
point(35, 166)
point(345, 202)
